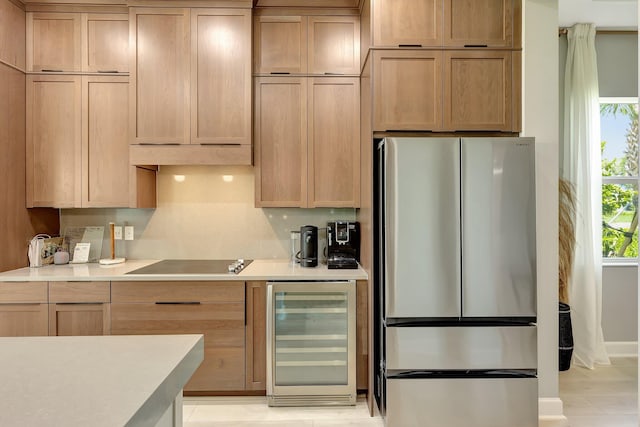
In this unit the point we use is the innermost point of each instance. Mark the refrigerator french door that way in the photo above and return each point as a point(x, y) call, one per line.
point(311, 332)
point(456, 282)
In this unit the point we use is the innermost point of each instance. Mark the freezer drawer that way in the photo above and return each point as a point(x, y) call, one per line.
point(461, 402)
point(461, 347)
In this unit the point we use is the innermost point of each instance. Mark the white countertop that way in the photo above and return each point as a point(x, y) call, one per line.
point(261, 269)
point(108, 381)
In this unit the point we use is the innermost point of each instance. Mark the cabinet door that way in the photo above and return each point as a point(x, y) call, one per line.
point(53, 141)
point(334, 142)
point(407, 90)
point(478, 90)
point(407, 22)
point(159, 91)
point(105, 144)
point(334, 45)
point(79, 319)
point(221, 76)
point(12, 34)
point(256, 345)
point(105, 46)
point(53, 42)
point(478, 23)
point(280, 45)
point(281, 141)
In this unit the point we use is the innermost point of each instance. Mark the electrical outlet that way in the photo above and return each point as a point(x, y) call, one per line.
point(128, 232)
point(117, 232)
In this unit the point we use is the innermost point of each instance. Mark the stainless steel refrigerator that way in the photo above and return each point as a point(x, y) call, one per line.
point(456, 282)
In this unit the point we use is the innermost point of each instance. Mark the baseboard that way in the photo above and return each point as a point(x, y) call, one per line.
point(622, 348)
point(550, 407)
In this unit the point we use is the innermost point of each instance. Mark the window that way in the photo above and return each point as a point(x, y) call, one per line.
point(619, 146)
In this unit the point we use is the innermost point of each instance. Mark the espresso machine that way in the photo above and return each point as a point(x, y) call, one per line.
point(343, 244)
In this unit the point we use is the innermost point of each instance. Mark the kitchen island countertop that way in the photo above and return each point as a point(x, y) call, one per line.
point(96, 381)
point(261, 269)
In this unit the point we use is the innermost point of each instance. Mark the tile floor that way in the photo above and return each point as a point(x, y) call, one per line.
point(603, 397)
point(254, 412)
point(606, 396)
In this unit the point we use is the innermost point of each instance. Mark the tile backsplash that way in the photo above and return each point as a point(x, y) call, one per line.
point(205, 212)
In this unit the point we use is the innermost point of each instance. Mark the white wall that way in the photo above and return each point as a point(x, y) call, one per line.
point(540, 119)
point(205, 217)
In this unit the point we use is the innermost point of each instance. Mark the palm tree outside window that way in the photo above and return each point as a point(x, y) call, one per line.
point(619, 145)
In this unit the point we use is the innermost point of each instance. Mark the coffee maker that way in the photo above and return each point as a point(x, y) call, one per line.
point(343, 244)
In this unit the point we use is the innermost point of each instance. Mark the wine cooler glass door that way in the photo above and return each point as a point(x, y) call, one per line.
point(312, 338)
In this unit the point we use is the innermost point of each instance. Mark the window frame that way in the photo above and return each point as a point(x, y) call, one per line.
point(616, 179)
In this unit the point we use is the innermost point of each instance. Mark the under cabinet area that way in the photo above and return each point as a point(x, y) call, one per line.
point(23, 309)
point(214, 309)
point(79, 308)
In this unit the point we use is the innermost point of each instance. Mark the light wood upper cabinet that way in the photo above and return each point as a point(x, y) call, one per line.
point(407, 90)
point(334, 142)
point(301, 45)
point(280, 45)
point(79, 308)
point(478, 23)
point(23, 309)
point(407, 22)
point(220, 76)
point(159, 75)
point(105, 143)
point(53, 141)
point(334, 45)
point(53, 41)
point(281, 141)
point(12, 34)
point(105, 46)
point(307, 133)
point(478, 90)
point(436, 23)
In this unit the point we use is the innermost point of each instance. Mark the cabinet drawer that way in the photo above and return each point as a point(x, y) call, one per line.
point(221, 324)
point(79, 292)
point(23, 292)
point(177, 291)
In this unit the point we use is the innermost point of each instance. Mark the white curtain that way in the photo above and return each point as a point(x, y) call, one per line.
point(581, 166)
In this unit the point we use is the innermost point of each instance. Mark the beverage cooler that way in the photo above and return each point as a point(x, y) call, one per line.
point(311, 333)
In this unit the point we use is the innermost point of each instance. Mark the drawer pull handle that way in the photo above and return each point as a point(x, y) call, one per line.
point(107, 71)
point(178, 302)
point(409, 45)
point(275, 73)
point(476, 45)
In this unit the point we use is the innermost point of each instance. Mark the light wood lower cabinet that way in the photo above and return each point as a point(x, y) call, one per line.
point(79, 308)
point(256, 336)
point(214, 309)
point(23, 309)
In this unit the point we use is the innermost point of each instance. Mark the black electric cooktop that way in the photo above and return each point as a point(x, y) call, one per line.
point(194, 266)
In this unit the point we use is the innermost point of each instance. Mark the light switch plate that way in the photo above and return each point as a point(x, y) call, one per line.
point(128, 232)
point(117, 232)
